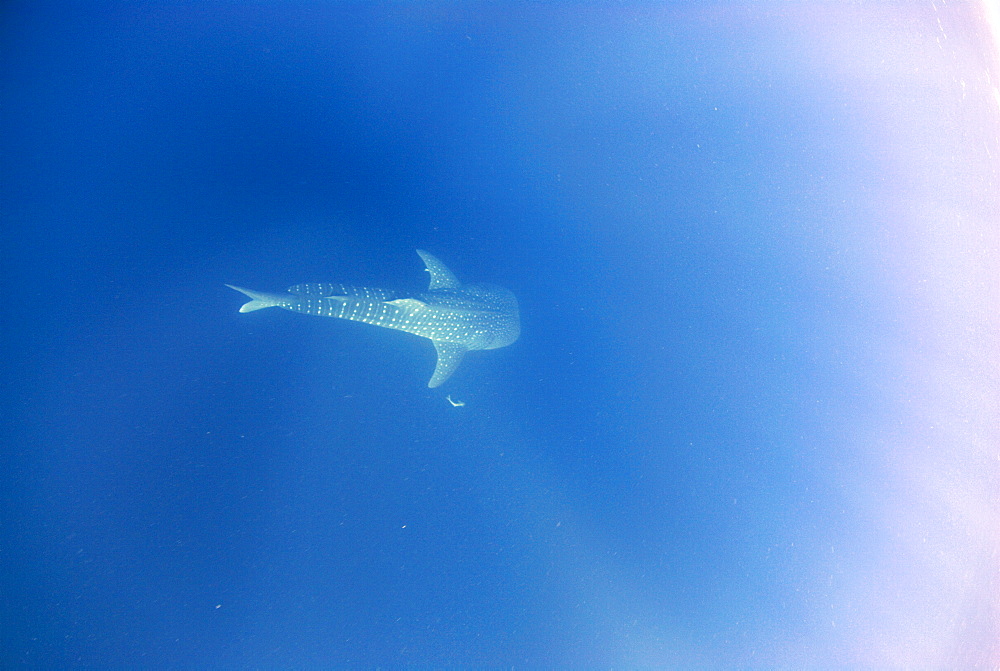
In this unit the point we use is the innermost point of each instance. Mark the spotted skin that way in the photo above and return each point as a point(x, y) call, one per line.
point(455, 317)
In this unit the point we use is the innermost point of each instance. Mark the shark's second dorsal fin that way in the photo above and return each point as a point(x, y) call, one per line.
point(449, 356)
point(441, 277)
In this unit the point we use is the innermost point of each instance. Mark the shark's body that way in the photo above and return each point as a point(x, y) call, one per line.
point(456, 317)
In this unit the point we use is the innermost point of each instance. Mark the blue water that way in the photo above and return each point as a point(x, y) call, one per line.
point(671, 467)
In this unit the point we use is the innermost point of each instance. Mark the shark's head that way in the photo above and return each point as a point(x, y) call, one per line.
point(507, 325)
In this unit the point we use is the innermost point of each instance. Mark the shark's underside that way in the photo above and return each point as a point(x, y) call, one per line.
point(456, 317)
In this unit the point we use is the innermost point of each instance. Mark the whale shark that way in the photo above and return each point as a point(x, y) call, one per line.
point(455, 317)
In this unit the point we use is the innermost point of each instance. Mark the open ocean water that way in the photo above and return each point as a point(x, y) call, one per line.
point(752, 419)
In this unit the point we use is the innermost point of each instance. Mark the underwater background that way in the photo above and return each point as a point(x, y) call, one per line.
point(751, 419)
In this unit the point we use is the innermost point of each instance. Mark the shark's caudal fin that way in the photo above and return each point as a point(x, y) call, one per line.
point(260, 300)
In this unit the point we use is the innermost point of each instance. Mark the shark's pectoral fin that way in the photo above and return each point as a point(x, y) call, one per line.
point(449, 356)
point(441, 277)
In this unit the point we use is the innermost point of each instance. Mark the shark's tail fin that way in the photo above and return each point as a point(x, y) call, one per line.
point(260, 300)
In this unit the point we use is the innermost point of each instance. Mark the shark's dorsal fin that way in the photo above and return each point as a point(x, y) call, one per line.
point(441, 277)
point(449, 356)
